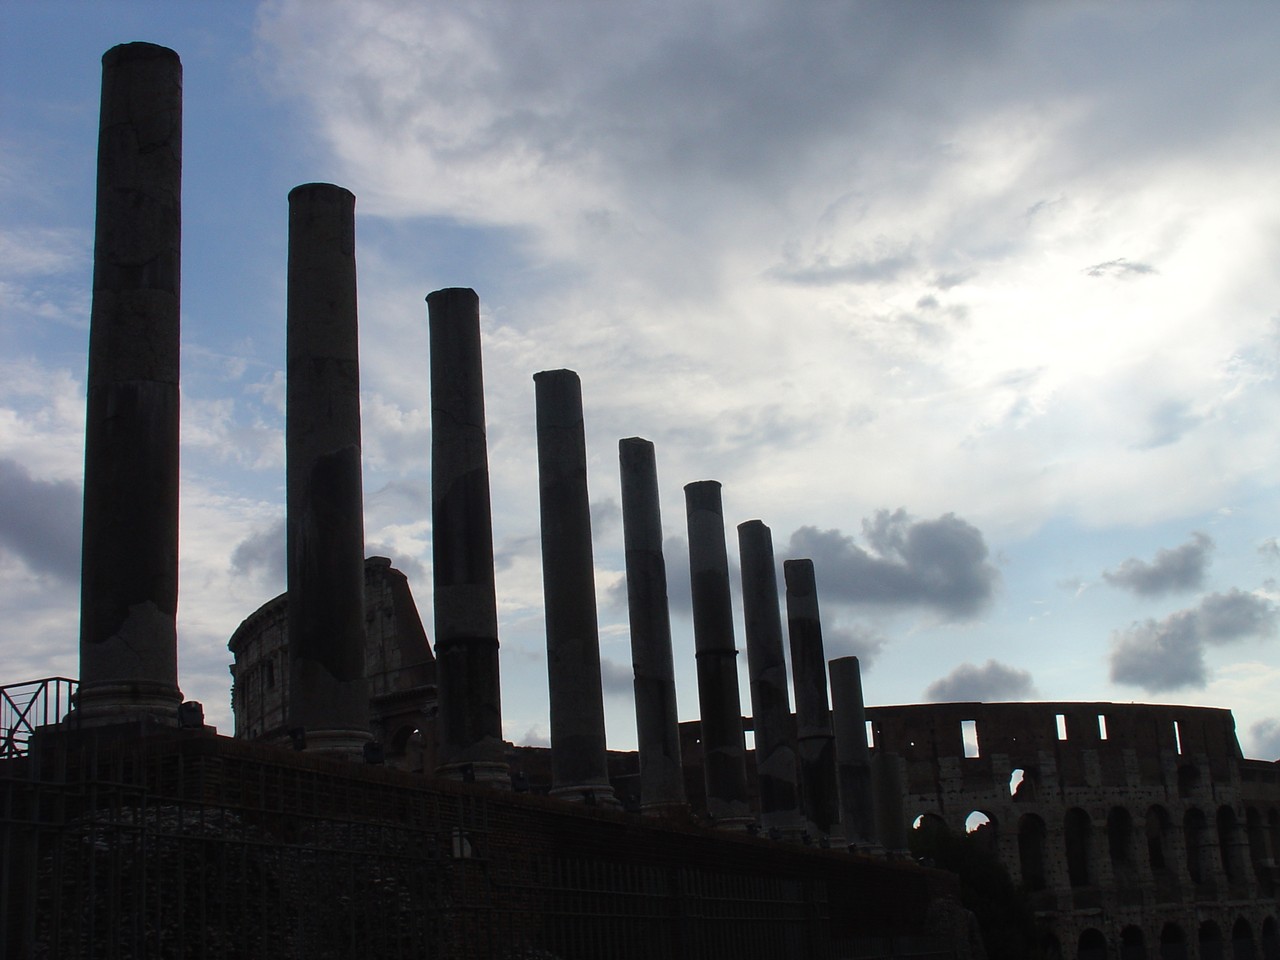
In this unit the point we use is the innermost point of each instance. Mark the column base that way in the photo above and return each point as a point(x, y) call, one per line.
point(108, 703)
point(588, 794)
point(345, 744)
point(489, 772)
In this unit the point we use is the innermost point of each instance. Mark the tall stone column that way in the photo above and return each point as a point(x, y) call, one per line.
point(129, 573)
point(853, 758)
point(775, 740)
point(815, 742)
point(723, 746)
point(579, 767)
point(890, 792)
point(657, 720)
point(328, 696)
point(469, 719)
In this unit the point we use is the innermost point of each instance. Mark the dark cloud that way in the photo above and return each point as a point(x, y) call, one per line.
point(860, 642)
point(1121, 268)
point(1179, 569)
point(262, 554)
point(991, 681)
point(1168, 654)
point(1270, 549)
point(40, 521)
point(940, 564)
point(1266, 739)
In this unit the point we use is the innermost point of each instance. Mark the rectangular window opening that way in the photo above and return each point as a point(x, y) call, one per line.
point(1177, 737)
point(1102, 726)
point(969, 734)
point(749, 738)
point(1061, 719)
point(871, 734)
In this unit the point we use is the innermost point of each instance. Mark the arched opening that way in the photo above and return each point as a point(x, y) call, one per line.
point(981, 828)
point(1031, 837)
point(928, 832)
point(1093, 946)
point(1015, 781)
point(1193, 827)
point(1078, 830)
point(1229, 844)
point(1120, 846)
point(1258, 854)
point(1157, 839)
point(1270, 939)
point(1210, 941)
point(1173, 943)
point(1133, 945)
point(1242, 945)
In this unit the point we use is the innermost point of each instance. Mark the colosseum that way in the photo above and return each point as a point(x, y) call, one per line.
point(1134, 830)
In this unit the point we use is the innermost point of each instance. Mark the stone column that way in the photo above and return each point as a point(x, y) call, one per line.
point(853, 758)
point(815, 742)
point(657, 720)
point(891, 822)
point(328, 697)
point(723, 745)
point(469, 718)
point(579, 768)
point(775, 737)
point(129, 574)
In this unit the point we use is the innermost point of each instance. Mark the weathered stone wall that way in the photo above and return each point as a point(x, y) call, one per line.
point(1136, 822)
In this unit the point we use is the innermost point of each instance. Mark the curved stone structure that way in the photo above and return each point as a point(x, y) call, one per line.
point(1132, 827)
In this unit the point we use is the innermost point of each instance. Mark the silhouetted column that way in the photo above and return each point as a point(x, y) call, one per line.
point(129, 575)
point(853, 758)
point(723, 746)
point(579, 768)
point(814, 740)
point(657, 721)
point(775, 746)
point(469, 718)
point(328, 697)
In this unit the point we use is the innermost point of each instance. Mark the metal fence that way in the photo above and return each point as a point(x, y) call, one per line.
point(33, 703)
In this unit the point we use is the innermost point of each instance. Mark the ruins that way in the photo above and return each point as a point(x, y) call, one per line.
point(368, 804)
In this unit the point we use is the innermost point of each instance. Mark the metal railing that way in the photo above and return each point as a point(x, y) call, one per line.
point(30, 704)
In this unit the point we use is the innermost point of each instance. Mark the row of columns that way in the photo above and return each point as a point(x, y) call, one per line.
point(129, 582)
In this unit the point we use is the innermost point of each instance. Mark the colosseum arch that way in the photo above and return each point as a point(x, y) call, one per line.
point(1173, 943)
point(1093, 945)
point(1031, 851)
point(1229, 842)
point(1242, 944)
point(1078, 838)
point(1120, 846)
point(1259, 854)
point(1270, 940)
point(1210, 937)
point(1133, 944)
point(1193, 832)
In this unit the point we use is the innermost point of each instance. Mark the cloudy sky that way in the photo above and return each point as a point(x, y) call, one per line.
point(975, 306)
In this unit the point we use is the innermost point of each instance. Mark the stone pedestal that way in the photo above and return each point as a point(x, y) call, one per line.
point(328, 697)
point(770, 705)
point(657, 720)
point(723, 745)
point(129, 579)
point(815, 742)
point(579, 768)
point(469, 722)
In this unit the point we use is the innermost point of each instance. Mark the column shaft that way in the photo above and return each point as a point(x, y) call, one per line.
point(469, 721)
point(657, 721)
point(770, 705)
point(723, 746)
point(579, 767)
point(328, 697)
point(853, 759)
point(815, 742)
point(129, 578)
